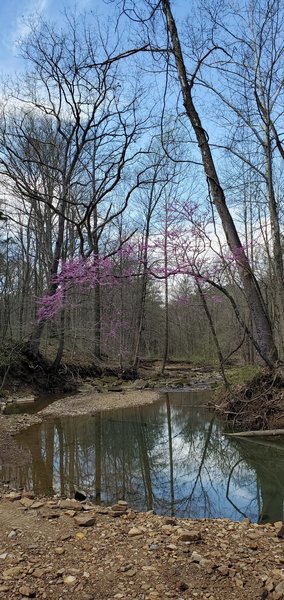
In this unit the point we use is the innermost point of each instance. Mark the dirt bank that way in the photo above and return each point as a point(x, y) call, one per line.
point(256, 405)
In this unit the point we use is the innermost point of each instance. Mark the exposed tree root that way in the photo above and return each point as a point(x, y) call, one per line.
point(258, 404)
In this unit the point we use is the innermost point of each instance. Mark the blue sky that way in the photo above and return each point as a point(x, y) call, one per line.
point(13, 14)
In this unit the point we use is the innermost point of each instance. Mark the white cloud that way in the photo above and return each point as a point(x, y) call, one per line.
point(31, 12)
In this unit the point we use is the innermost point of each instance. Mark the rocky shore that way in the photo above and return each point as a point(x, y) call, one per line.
point(54, 548)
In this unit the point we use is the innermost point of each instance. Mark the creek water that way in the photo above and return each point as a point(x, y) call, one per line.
point(173, 457)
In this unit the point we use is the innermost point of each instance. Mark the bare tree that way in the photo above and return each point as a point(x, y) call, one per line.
point(147, 16)
point(69, 140)
point(250, 88)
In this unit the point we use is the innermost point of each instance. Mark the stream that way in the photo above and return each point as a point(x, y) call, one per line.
point(172, 457)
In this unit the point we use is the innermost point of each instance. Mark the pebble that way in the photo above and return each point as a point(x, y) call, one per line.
point(27, 591)
point(12, 534)
point(195, 557)
point(69, 579)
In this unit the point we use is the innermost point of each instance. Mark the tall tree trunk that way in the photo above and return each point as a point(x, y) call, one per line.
point(97, 291)
point(277, 266)
point(35, 338)
point(214, 334)
point(141, 316)
point(166, 341)
point(254, 298)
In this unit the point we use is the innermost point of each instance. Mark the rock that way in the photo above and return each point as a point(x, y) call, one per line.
point(168, 529)
point(28, 494)
point(239, 582)
point(280, 531)
point(48, 514)
point(170, 521)
point(182, 586)
point(135, 531)
point(153, 546)
point(253, 545)
point(13, 572)
point(27, 591)
point(139, 384)
point(12, 534)
point(126, 567)
point(85, 520)
point(80, 495)
point(36, 505)
point(278, 524)
point(119, 507)
point(69, 579)
point(117, 513)
point(101, 510)
point(3, 556)
point(189, 536)
point(70, 513)
point(59, 551)
point(70, 505)
point(269, 585)
point(26, 502)
point(223, 570)
point(280, 588)
point(24, 400)
point(38, 573)
point(12, 496)
point(171, 547)
point(195, 557)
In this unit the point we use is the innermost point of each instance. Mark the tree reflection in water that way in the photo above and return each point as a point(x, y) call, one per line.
point(172, 456)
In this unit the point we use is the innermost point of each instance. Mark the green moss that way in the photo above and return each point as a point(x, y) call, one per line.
point(238, 375)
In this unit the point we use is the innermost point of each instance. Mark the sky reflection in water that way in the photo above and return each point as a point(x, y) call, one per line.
point(172, 457)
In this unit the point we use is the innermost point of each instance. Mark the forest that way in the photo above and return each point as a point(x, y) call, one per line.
point(141, 203)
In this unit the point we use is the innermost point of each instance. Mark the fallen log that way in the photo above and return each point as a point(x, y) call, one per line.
point(257, 433)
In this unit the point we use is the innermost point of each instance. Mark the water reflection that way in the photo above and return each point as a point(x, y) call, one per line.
point(172, 457)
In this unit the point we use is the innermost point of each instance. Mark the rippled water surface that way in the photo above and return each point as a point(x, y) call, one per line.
point(172, 456)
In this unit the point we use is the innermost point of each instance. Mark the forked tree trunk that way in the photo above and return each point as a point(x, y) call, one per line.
point(254, 298)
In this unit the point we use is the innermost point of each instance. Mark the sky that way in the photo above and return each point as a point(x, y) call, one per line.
point(14, 15)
